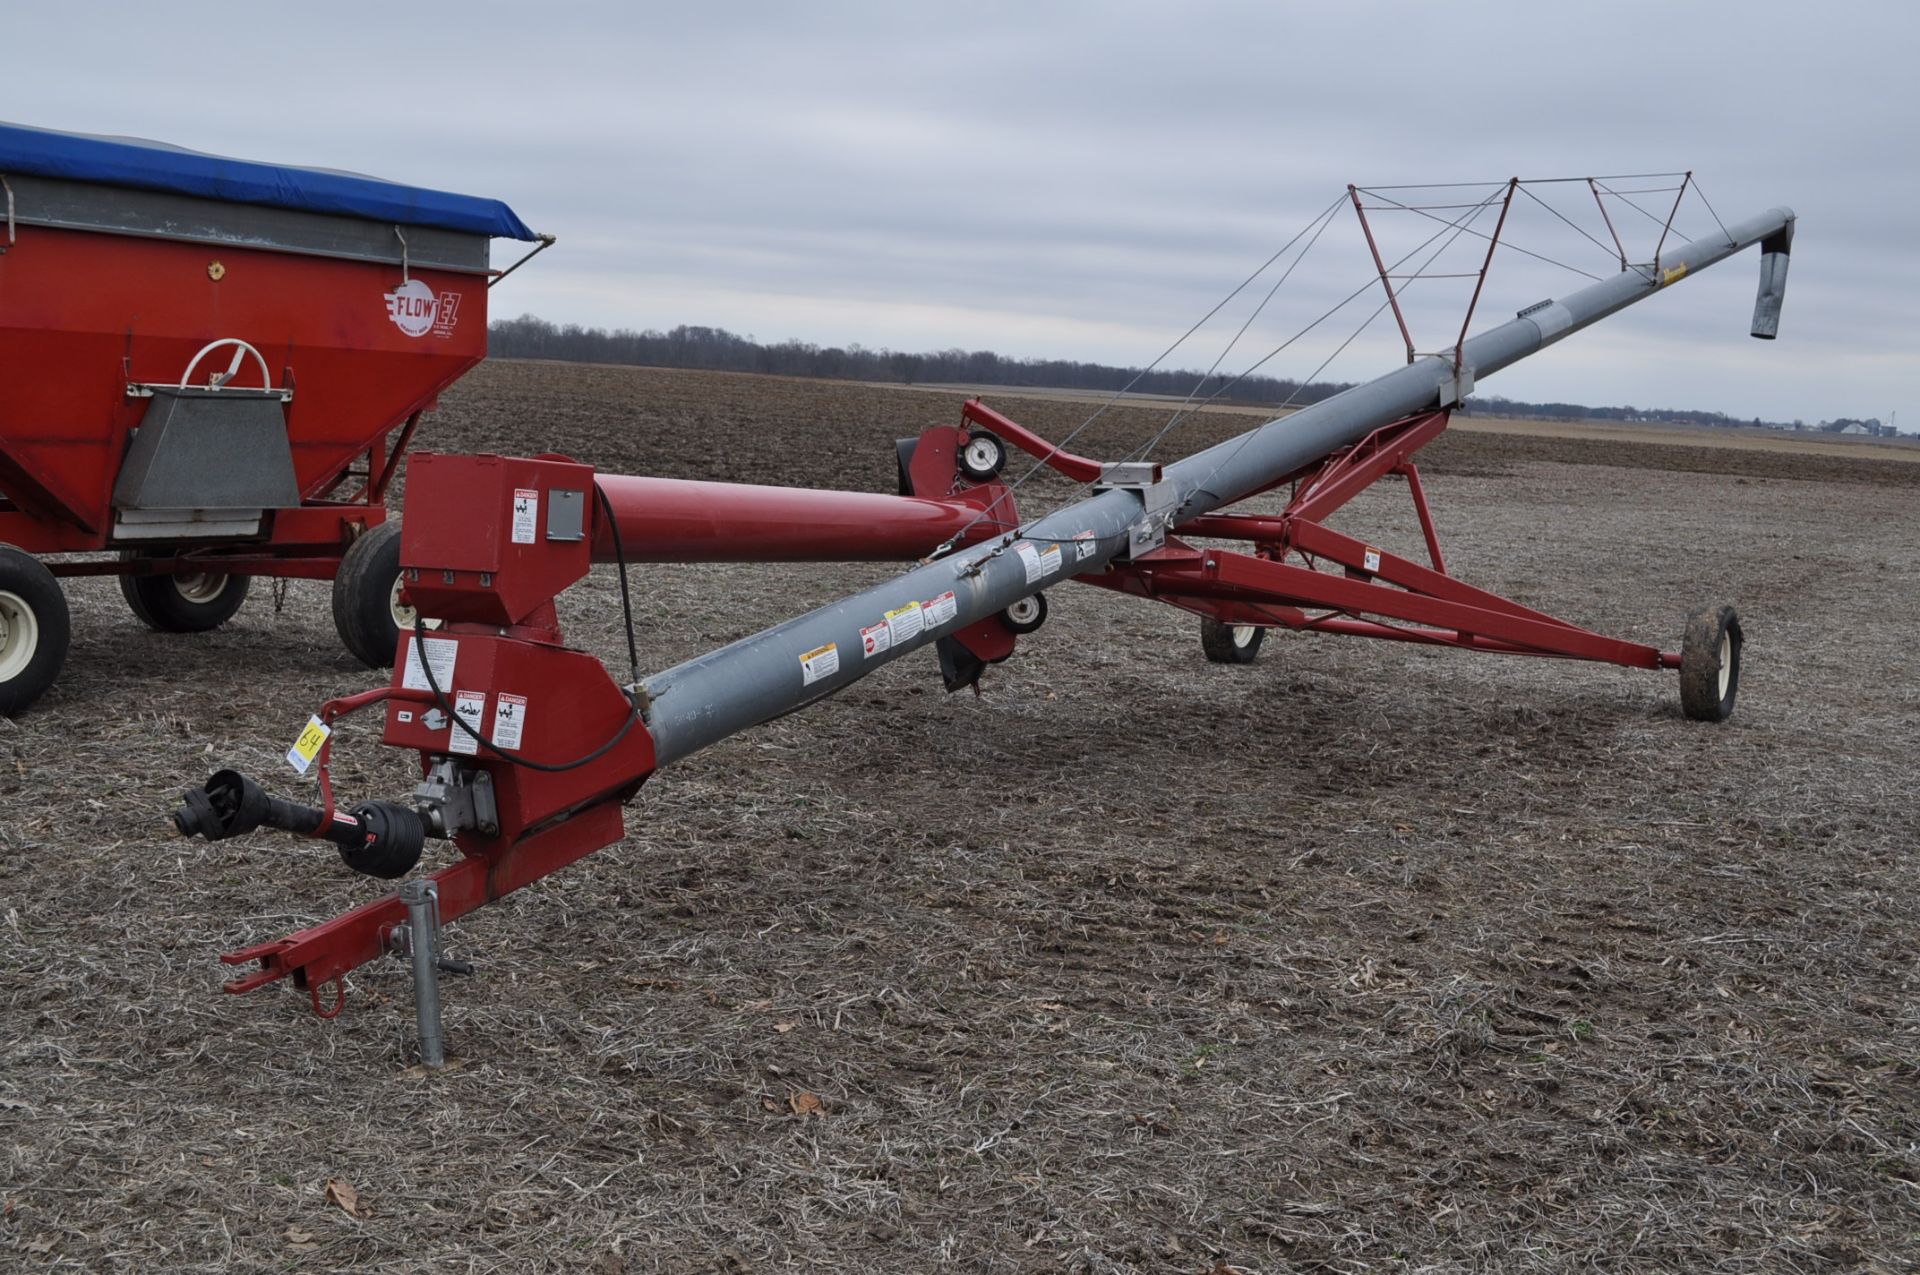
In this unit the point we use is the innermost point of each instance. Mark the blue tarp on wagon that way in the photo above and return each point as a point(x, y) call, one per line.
point(130, 161)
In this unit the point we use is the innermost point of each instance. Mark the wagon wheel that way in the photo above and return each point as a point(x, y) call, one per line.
point(367, 608)
point(188, 602)
point(1230, 643)
point(1710, 664)
point(34, 629)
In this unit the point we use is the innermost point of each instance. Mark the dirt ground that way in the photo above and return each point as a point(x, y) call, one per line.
point(1363, 957)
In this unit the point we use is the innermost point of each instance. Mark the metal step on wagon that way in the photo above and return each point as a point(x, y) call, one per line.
point(210, 369)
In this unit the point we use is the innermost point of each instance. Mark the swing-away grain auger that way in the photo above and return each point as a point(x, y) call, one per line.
point(528, 750)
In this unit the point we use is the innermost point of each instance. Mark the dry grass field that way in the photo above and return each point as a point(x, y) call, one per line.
point(1364, 957)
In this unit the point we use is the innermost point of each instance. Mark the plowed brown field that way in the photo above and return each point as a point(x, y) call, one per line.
point(1363, 957)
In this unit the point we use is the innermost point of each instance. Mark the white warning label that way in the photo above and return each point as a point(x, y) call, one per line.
point(469, 707)
point(441, 656)
point(509, 720)
point(526, 514)
point(1084, 545)
point(1372, 559)
point(821, 661)
point(1029, 558)
point(1049, 560)
point(939, 610)
point(876, 638)
point(905, 624)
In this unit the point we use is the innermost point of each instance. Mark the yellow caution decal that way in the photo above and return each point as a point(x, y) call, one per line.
point(1674, 275)
point(307, 747)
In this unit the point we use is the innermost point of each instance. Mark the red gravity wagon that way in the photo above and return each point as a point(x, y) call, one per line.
point(209, 370)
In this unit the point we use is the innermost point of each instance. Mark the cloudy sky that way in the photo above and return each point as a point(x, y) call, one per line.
point(1086, 180)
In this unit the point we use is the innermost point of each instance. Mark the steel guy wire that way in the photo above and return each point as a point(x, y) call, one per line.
point(1459, 225)
point(1099, 411)
point(1458, 229)
point(1324, 363)
point(1146, 449)
point(1658, 221)
point(1535, 181)
point(1509, 244)
point(1715, 215)
point(1578, 228)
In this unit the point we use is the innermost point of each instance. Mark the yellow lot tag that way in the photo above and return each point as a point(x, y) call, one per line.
point(307, 747)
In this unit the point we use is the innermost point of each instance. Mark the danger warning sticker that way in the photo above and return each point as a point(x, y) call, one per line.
point(469, 707)
point(1083, 545)
point(821, 661)
point(1372, 560)
point(1049, 560)
point(939, 610)
point(876, 638)
point(526, 514)
point(509, 720)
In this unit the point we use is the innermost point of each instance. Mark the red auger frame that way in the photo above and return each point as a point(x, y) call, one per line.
point(490, 542)
point(1409, 602)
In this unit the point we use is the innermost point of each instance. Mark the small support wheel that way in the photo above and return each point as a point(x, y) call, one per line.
point(1026, 615)
point(34, 629)
point(1230, 643)
point(1710, 664)
point(367, 608)
point(983, 456)
point(189, 602)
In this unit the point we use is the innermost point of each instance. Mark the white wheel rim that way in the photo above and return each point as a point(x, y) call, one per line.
point(200, 587)
point(1025, 611)
point(1243, 635)
point(981, 454)
point(1726, 663)
point(19, 635)
point(404, 615)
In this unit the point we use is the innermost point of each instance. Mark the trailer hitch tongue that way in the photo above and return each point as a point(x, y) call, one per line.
point(377, 838)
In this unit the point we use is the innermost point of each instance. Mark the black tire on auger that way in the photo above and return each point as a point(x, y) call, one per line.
point(1230, 643)
point(1710, 664)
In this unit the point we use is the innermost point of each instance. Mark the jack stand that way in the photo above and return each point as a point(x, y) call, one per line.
point(419, 938)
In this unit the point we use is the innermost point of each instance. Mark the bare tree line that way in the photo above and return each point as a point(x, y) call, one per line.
point(718, 350)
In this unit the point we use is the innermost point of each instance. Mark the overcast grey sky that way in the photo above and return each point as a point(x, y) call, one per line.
point(1080, 180)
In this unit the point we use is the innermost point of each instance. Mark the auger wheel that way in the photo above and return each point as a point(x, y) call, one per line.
point(1230, 643)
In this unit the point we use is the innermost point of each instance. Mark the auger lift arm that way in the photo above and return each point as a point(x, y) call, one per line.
point(528, 750)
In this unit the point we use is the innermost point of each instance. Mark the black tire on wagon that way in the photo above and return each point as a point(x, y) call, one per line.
point(34, 630)
point(189, 602)
point(367, 609)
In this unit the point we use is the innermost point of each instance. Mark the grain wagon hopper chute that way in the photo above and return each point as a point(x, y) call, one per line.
point(528, 750)
point(210, 370)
